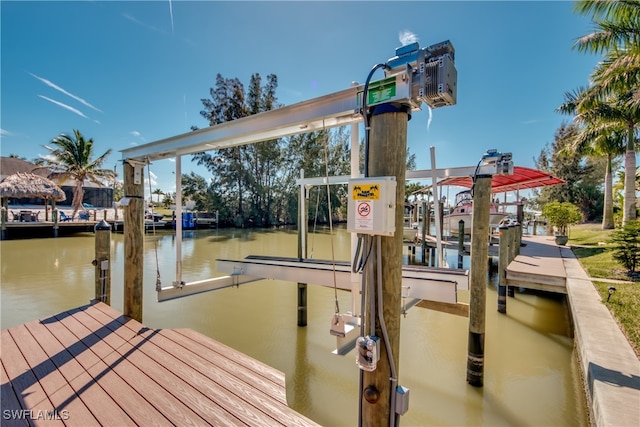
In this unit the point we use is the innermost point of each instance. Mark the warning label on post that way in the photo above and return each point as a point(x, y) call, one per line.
point(366, 192)
point(364, 215)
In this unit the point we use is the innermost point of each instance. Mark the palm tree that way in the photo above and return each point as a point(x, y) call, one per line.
point(598, 137)
point(159, 193)
point(617, 34)
point(598, 140)
point(618, 112)
point(607, 119)
point(72, 158)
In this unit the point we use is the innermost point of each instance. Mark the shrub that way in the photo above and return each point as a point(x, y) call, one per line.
point(625, 244)
point(561, 215)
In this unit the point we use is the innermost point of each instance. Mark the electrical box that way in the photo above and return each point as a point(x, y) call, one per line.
point(372, 206)
point(367, 353)
point(502, 162)
point(441, 82)
point(402, 400)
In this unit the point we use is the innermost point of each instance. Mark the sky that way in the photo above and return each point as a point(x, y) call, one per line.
point(128, 73)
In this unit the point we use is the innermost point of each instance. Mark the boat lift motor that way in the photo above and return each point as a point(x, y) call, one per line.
point(434, 71)
point(502, 161)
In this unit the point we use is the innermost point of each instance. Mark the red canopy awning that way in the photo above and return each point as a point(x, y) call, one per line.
point(522, 179)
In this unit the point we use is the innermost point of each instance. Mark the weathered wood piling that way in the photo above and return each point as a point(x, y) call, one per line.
point(387, 157)
point(503, 262)
point(133, 239)
point(478, 279)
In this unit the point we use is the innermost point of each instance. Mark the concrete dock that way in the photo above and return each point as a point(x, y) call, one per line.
point(610, 367)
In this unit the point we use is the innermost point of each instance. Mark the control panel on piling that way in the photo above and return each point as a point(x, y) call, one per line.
point(372, 206)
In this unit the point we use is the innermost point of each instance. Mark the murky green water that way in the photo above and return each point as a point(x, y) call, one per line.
point(531, 376)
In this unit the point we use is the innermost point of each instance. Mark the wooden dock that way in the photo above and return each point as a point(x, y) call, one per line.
point(93, 366)
point(18, 230)
point(539, 266)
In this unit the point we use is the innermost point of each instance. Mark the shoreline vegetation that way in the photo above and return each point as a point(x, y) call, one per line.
point(589, 244)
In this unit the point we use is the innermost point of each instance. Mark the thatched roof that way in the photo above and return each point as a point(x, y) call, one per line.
point(23, 185)
point(12, 165)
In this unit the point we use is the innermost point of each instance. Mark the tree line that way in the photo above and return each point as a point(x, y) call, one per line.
point(606, 115)
point(255, 185)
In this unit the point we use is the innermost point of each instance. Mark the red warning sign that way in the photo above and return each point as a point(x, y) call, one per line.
point(364, 209)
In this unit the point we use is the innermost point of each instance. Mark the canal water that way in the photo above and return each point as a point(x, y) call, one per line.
point(531, 374)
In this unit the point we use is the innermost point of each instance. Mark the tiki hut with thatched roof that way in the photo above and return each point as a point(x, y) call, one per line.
point(24, 185)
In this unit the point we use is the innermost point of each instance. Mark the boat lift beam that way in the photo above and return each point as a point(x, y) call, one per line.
point(336, 109)
point(421, 174)
point(421, 283)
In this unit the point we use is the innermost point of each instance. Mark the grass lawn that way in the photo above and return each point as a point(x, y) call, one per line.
point(589, 244)
point(165, 212)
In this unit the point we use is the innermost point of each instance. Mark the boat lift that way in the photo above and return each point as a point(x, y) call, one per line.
point(413, 76)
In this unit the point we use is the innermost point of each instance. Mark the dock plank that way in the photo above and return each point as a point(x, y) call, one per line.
point(239, 384)
point(174, 395)
point(99, 360)
point(247, 376)
point(217, 396)
point(72, 359)
point(250, 372)
point(106, 369)
point(241, 359)
point(238, 358)
point(29, 392)
point(9, 400)
point(221, 368)
point(539, 266)
point(60, 392)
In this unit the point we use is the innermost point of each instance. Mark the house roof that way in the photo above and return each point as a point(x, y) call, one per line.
point(522, 179)
point(13, 165)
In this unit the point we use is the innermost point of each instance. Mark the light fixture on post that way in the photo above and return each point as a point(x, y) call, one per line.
point(611, 290)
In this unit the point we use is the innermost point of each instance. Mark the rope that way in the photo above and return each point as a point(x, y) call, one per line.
point(333, 258)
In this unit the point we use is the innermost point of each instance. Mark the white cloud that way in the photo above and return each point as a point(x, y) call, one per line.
point(58, 88)
point(153, 182)
point(4, 132)
point(135, 133)
point(407, 37)
point(65, 106)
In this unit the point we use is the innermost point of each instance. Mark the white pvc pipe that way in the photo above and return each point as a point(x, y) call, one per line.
point(303, 216)
point(356, 281)
point(178, 220)
point(436, 207)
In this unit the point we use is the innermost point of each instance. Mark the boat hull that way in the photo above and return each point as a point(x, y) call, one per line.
point(451, 221)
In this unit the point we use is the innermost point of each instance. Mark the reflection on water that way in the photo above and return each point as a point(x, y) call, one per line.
point(531, 377)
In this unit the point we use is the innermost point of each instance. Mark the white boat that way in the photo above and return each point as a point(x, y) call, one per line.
point(463, 209)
